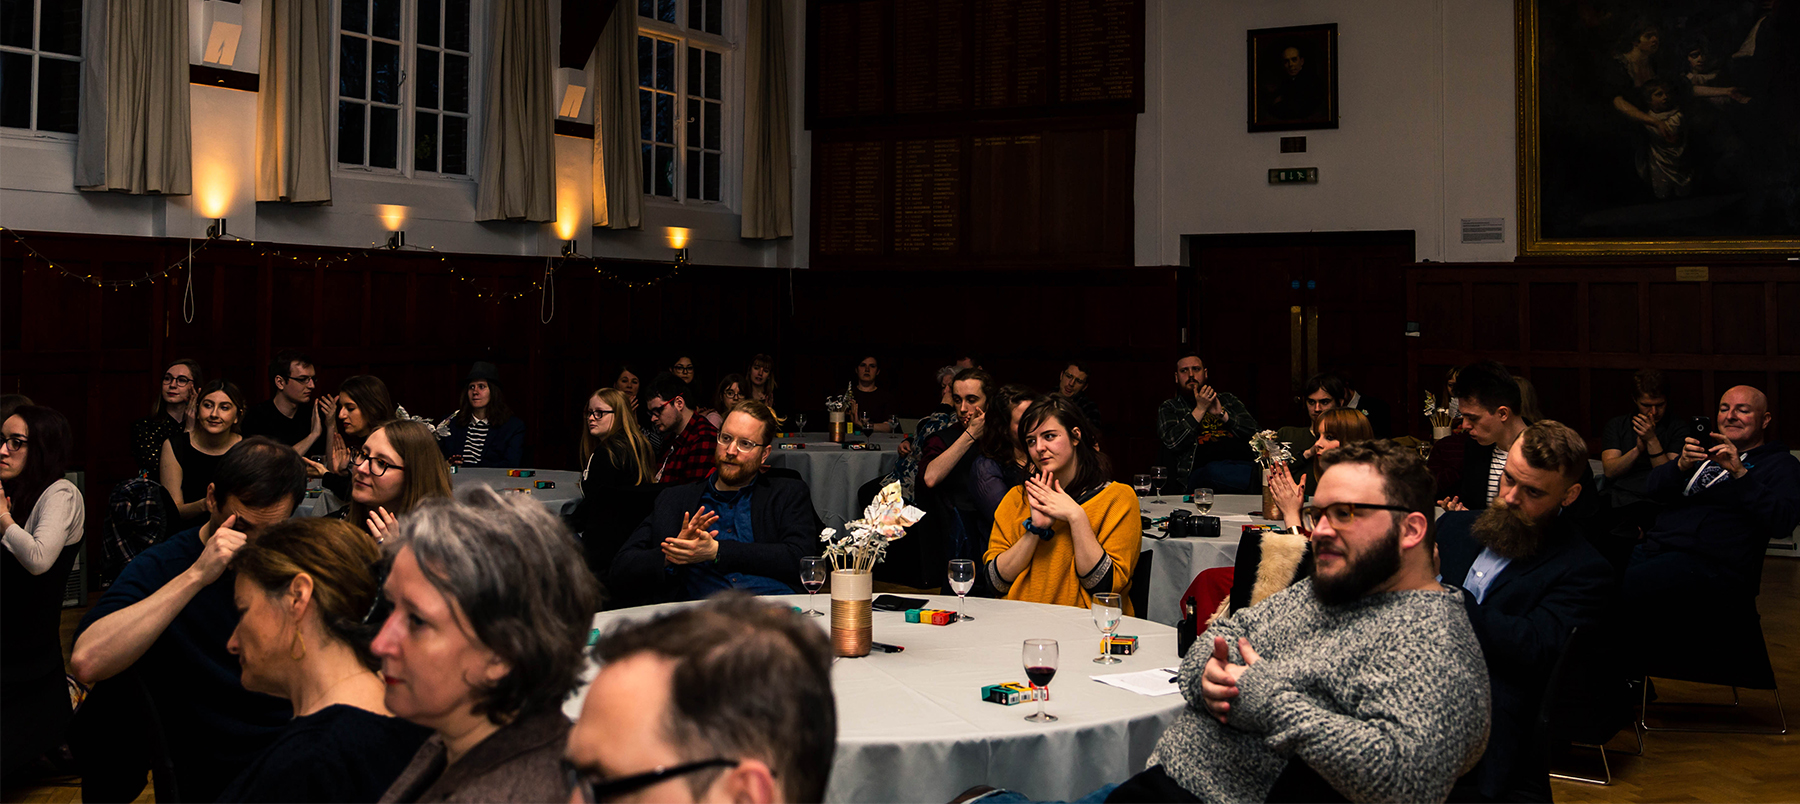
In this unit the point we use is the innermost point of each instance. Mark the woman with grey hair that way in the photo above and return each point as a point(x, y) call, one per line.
point(492, 603)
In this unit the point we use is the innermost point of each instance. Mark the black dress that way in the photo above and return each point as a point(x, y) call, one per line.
point(339, 753)
point(33, 695)
point(197, 470)
point(147, 437)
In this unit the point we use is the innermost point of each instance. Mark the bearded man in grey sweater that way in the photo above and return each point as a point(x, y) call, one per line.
point(1364, 682)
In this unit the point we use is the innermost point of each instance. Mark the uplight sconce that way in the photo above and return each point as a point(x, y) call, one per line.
point(568, 249)
point(224, 25)
point(571, 86)
point(216, 228)
point(678, 240)
point(396, 240)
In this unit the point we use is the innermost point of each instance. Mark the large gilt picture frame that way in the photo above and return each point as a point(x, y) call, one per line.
point(1657, 127)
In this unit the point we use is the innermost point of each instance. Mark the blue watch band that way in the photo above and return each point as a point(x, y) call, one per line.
point(1042, 533)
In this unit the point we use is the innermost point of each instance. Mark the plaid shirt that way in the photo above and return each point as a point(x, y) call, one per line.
point(1180, 434)
point(688, 456)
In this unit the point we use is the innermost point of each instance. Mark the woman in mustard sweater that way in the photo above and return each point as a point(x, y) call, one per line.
point(1069, 532)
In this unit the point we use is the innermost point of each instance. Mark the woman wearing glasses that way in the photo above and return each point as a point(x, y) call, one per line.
point(731, 390)
point(492, 605)
point(304, 588)
point(189, 459)
point(398, 467)
point(42, 515)
point(361, 403)
point(171, 413)
point(614, 450)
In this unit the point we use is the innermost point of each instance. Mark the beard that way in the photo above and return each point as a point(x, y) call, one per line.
point(1360, 573)
point(735, 473)
point(1507, 531)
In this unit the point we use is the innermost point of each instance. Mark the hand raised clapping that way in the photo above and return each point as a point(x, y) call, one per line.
point(694, 543)
point(1219, 682)
point(1048, 499)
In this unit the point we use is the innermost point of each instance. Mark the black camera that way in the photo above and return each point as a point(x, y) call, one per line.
point(1188, 525)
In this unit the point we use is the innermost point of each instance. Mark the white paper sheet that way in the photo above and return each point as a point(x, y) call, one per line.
point(1144, 682)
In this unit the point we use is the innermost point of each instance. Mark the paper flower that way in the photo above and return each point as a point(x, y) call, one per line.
point(1269, 449)
point(865, 541)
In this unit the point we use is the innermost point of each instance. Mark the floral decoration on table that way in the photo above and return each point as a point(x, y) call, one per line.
point(865, 541)
point(1440, 417)
point(1270, 450)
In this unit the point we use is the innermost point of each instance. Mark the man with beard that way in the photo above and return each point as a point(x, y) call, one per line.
point(737, 528)
point(1364, 681)
point(1528, 576)
point(1207, 435)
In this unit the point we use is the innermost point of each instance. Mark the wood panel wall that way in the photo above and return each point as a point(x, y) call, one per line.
point(1579, 331)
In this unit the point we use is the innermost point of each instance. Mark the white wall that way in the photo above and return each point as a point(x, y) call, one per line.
point(1425, 137)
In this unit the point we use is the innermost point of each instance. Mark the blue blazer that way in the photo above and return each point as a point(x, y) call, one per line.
point(505, 445)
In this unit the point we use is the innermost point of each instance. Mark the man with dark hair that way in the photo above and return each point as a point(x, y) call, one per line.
point(291, 416)
point(687, 439)
point(167, 619)
point(1320, 393)
point(729, 700)
point(1206, 433)
point(874, 406)
point(1528, 576)
point(735, 528)
point(1490, 402)
point(1073, 383)
point(1633, 445)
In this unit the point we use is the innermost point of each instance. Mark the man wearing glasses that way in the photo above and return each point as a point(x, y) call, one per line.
point(290, 417)
point(770, 738)
point(735, 528)
point(687, 439)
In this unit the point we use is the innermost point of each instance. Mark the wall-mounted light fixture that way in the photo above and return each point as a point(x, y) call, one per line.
point(223, 23)
point(571, 89)
point(216, 228)
point(678, 240)
point(568, 249)
point(396, 239)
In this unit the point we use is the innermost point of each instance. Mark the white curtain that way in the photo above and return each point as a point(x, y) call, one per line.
point(518, 149)
point(148, 141)
point(293, 103)
point(90, 143)
point(768, 178)
point(618, 164)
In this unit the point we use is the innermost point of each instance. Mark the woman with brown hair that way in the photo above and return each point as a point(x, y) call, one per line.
point(361, 404)
point(614, 449)
point(1337, 427)
point(189, 459)
point(762, 379)
point(398, 467)
point(170, 414)
point(303, 590)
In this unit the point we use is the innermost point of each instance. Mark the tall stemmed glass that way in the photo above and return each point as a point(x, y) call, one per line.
point(962, 579)
point(1159, 475)
point(813, 570)
point(800, 419)
point(1040, 666)
point(1107, 610)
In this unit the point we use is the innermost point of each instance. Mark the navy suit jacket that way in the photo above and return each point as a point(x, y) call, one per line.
point(783, 522)
point(1523, 624)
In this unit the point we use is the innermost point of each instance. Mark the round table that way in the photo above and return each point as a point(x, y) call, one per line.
point(912, 725)
point(1179, 560)
point(833, 473)
point(560, 500)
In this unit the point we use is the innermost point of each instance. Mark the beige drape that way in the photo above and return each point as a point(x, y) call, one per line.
point(768, 179)
point(293, 103)
point(618, 163)
point(90, 143)
point(518, 148)
point(148, 138)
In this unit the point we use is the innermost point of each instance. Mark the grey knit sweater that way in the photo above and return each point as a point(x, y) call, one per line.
point(1386, 698)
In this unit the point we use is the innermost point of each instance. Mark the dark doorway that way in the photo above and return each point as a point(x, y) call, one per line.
point(1266, 311)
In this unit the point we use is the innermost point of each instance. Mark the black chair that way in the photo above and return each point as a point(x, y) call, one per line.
point(606, 520)
point(1735, 628)
point(1140, 584)
point(1578, 711)
point(117, 736)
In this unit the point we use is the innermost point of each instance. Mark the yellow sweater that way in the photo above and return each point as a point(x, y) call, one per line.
point(1051, 576)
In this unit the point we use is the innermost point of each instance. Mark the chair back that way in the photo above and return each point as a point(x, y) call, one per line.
point(1583, 702)
point(1139, 593)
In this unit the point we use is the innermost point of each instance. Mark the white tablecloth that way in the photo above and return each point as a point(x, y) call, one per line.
point(833, 473)
point(559, 500)
point(912, 726)
point(1179, 560)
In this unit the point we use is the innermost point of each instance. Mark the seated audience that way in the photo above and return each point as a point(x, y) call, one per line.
point(398, 467)
point(1447, 452)
point(1069, 532)
point(1073, 383)
point(614, 451)
point(1320, 393)
point(171, 413)
point(872, 406)
point(1003, 464)
point(1490, 401)
point(906, 466)
point(947, 467)
point(484, 431)
point(492, 604)
point(683, 367)
point(1528, 576)
point(762, 379)
point(361, 404)
point(1364, 681)
point(687, 437)
point(1529, 406)
point(731, 390)
point(42, 515)
point(1633, 445)
point(735, 528)
point(189, 459)
point(168, 618)
point(291, 416)
point(302, 591)
point(628, 380)
point(1207, 432)
point(650, 730)
point(1337, 427)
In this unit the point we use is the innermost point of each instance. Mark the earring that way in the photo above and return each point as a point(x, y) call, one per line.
point(299, 646)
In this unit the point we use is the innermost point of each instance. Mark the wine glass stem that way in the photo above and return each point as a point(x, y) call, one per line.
point(960, 602)
point(1042, 693)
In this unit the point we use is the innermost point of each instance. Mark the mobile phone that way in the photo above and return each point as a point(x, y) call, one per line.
point(1698, 427)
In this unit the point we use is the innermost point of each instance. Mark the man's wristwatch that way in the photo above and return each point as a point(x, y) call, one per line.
point(1042, 533)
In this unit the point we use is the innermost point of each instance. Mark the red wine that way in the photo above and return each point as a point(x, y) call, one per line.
point(812, 586)
point(1040, 676)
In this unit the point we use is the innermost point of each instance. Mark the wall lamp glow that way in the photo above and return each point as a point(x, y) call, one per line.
point(224, 24)
point(396, 239)
point(216, 229)
point(568, 249)
point(678, 240)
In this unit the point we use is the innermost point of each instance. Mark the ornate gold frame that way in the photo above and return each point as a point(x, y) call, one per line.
point(1531, 240)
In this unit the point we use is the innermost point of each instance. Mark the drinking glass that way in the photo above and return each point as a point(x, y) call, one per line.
point(1039, 658)
point(1203, 500)
point(813, 570)
point(1141, 484)
point(1107, 609)
point(1425, 450)
point(1158, 475)
point(800, 419)
point(962, 579)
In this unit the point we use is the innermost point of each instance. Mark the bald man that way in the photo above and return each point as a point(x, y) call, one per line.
point(1724, 498)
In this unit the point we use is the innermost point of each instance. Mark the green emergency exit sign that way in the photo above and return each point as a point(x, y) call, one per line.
point(1305, 175)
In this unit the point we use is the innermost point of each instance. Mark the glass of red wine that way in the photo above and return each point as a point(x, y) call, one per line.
point(1039, 658)
point(813, 570)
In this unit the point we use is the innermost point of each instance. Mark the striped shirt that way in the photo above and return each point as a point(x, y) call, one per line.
point(1496, 465)
point(474, 440)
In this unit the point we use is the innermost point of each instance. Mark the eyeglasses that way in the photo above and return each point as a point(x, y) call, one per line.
point(593, 790)
point(657, 411)
point(1340, 515)
point(16, 443)
point(596, 413)
point(680, 367)
point(304, 379)
point(743, 444)
point(377, 466)
point(178, 380)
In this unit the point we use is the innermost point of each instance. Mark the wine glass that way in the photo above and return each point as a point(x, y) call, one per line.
point(800, 419)
point(1159, 474)
point(962, 579)
point(1141, 484)
point(1425, 450)
point(1039, 658)
point(1107, 609)
point(1203, 500)
point(813, 570)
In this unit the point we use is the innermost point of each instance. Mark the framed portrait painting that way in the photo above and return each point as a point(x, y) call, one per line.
point(1658, 127)
point(1293, 78)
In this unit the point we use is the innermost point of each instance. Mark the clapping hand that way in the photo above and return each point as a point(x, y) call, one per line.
point(381, 523)
point(1452, 503)
point(1048, 499)
point(1219, 682)
point(1289, 493)
point(6, 518)
point(313, 468)
point(694, 543)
